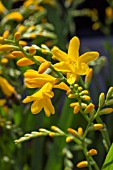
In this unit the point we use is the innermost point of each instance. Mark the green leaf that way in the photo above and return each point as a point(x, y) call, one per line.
point(108, 164)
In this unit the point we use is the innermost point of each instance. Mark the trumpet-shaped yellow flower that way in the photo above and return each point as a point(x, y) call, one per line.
point(42, 99)
point(71, 63)
point(7, 88)
point(35, 80)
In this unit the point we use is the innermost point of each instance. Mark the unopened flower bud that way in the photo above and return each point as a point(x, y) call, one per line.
point(106, 111)
point(80, 131)
point(109, 93)
point(84, 92)
point(109, 102)
point(97, 126)
point(82, 164)
point(76, 109)
point(5, 34)
point(101, 100)
point(89, 108)
point(80, 88)
point(73, 132)
point(4, 60)
point(69, 139)
point(85, 97)
point(32, 50)
point(17, 36)
point(92, 152)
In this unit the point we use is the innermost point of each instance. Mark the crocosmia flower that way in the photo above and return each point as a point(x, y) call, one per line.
point(42, 99)
point(71, 64)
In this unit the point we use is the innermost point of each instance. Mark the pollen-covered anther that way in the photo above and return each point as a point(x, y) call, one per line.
point(82, 164)
point(32, 50)
point(89, 108)
point(92, 152)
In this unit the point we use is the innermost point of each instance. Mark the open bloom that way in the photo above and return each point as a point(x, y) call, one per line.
point(35, 80)
point(71, 63)
point(42, 99)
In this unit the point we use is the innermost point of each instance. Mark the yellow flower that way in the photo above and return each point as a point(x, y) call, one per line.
point(41, 99)
point(71, 63)
point(7, 88)
point(35, 80)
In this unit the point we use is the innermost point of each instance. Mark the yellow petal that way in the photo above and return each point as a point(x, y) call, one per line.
point(37, 106)
point(64, 67)
point(88, 56)
point(62, 86)
point(24, 62)
point(82, 69)
point(73, 50)
point(71, 77)
point(58, 54)
point(48, 107)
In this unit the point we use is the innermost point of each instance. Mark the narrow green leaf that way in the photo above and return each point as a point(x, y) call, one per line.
point(108, 164)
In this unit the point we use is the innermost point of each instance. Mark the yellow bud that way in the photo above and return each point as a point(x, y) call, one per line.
point(74, 104)
point(69, 139)
point(5, 34)
point(82, 164)
point(10, 56)
point(106, 111)
point(7, 48)
point(85, 97)
point(73, 132)
point(101, 99)
point(17, 36)
point(1, 40)
point(92, 152)
point(32, 35)
point(71, 96)
point(21, 28)
point(98, 126)
point(18, 54)
point(22, 43)
point(109, 12)
point(84, 92)
point(80, 88)
point(88, 76)
point(56, 129)
point(24, 62)
point(4, 60)
point(32, 50)
point(43, 67)
point(80, 131)
point(89, 108)
point(2, 102)
point(76, 109)
point(51, 134)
